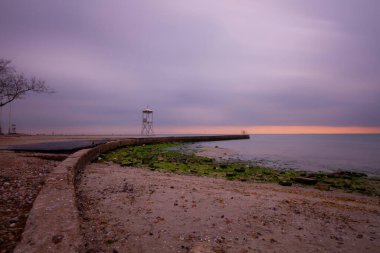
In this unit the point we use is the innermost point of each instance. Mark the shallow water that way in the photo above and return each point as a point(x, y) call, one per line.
point(356, 152)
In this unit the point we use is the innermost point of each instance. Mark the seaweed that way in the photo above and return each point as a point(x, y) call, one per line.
point(176, 158)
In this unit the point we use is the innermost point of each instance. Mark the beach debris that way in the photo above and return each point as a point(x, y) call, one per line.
point(306, 180)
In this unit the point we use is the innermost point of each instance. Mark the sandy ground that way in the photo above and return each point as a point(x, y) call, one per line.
point(137, 210)
point(21, 178)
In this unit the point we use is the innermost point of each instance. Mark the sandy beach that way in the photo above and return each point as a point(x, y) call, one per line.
point(126, 209)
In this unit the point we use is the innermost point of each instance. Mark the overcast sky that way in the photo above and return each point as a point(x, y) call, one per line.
point(197, 64)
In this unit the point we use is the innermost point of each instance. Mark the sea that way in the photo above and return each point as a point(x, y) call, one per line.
point(309, 152)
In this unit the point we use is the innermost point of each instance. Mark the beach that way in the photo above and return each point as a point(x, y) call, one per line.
point(130, 209)
point(127, 209)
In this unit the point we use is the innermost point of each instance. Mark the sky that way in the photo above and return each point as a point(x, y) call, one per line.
point(203, 66)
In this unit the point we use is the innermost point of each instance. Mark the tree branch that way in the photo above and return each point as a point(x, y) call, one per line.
point(15, 86)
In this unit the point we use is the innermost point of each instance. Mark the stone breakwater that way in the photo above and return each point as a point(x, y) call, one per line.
point(53, 223)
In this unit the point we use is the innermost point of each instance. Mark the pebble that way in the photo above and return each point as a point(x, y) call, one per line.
point(14, 220)
point(57, 239)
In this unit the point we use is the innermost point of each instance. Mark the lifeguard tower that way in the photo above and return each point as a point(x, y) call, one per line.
point(147, 122)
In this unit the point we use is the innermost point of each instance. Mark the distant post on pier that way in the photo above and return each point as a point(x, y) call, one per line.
point(147, 122)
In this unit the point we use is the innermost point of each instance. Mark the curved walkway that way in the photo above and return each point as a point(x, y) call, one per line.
point(53, 223)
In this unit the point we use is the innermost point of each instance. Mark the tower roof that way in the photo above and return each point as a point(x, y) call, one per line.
point(148, 110)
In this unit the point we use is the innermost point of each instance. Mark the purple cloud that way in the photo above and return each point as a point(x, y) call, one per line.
point(198, 63)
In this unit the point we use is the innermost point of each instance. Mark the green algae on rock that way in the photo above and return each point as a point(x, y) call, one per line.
point(177, 158)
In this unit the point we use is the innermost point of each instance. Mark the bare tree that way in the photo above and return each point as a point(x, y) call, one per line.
point(14, 85)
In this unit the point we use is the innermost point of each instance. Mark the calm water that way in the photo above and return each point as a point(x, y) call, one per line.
point(311, 152)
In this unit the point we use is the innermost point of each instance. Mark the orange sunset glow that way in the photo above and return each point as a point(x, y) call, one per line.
point(278, 130)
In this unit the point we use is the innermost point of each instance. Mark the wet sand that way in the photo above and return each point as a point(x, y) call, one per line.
point(127, 209)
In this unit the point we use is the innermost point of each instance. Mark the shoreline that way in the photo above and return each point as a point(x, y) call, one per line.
point(285, 162)
point(185, 159)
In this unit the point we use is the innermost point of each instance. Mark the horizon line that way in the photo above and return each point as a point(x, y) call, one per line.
point(264, 129)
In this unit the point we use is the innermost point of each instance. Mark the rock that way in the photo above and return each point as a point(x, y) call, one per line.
point(57, 238)
point(220, 239)
point(127, 164)
point(347, 174)
point(322, 186)
point(306, 180)
point(285, 183)
point(14, 220)
point(201, 247)
point(239, 169)
point(127, 188)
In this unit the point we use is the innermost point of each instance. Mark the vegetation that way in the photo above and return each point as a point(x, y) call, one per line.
point(170, 157)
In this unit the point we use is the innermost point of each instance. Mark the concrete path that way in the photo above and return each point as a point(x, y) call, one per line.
point(59, 146)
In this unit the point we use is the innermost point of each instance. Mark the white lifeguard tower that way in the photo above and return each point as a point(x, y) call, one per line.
point(147, 122)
